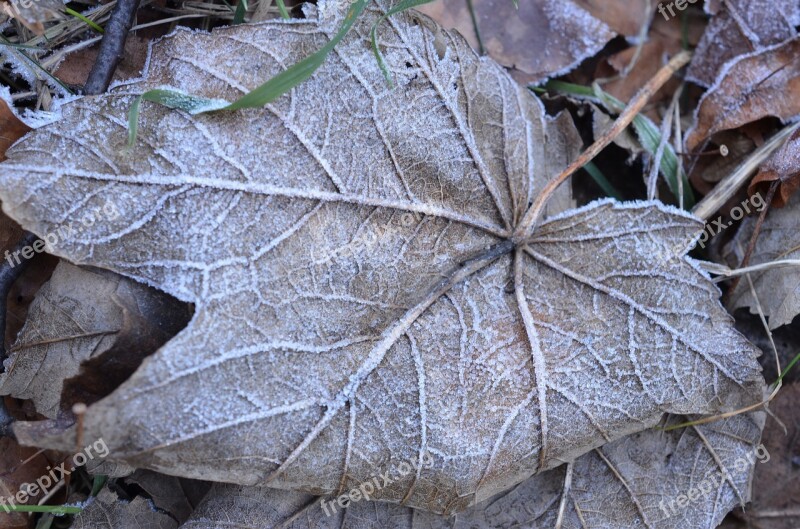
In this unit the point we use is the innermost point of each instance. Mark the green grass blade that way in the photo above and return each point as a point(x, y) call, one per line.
point(91, 23)
point(98, 483)
point(788, 368)
point(601, 180)
point(399, 8)
point(241, 11)
point(52, 509)
point(282, 8)
point(297, 73)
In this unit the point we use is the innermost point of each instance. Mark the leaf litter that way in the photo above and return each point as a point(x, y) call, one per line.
point(166, 241)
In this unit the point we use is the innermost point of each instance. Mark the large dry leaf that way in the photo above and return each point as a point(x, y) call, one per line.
point(538, 39)
point(750, 87)
point(777, 289)
point(360, 300)
point(659, 480)
point(86, 332)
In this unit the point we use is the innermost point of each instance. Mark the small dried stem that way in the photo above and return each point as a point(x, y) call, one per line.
point(636, 105)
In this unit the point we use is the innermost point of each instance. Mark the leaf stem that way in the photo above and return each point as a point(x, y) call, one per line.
point(528, 223)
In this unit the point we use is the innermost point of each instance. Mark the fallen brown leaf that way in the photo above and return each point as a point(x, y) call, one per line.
point(754, 86)
point(19, 465)
point(740, 27)
point(609, 488)
point(107, 511)
point(11, 128)
point(783, 166)
point(86, 332)
point(540, 39)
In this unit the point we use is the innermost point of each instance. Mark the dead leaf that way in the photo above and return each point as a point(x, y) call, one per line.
point(645, 480)
point(168, 493)
point(107, 511)
point(751, 87)
point(783, 166)
point(638, 64)
point(360, 298)
point(11, 128)
point(778, 289)
point(75, 68)
point(540, 39)
point(740, 27)
point(86, 332)
point(19, 465)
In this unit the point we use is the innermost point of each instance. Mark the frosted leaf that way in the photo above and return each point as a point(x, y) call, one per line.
point(739, 27)
point(752, 86)
point(360, 302)
point(108, 511)
point(778, 289)
point(659, 480)
point(541, 38)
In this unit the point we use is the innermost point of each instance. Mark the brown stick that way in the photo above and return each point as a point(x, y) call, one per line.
point(111, 47)
point(753, 238)
point(525, 227)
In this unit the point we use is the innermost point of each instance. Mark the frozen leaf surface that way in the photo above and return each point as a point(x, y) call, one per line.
point(542, 38)
point(360, 299)
point(739, 27)
point(108, 511)
point(644, 480)
point(751, 87)
point(778, 289)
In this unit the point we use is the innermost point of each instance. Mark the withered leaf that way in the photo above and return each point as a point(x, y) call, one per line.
point(539, 39)
point(612, 487)
point(107, 511)
point(361, 300)
point(778, 289)
point(783, 167)
point(86, 332)
point(750, 87)
point(739, 27)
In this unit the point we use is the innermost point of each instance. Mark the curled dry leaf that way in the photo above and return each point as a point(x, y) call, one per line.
point(750, 87)
point(739, 27)
point(361, 300)
point(11, 128)
point(108, 511)
point(784, 167)
point(778, 289)
point(175, 496)
point(646, 480)
point(86, 332)
point(538, 40)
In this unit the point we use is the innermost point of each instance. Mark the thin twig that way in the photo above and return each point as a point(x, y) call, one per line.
point(111, 47)
point(753, 238)
point(8, 274)
point(525, 227)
